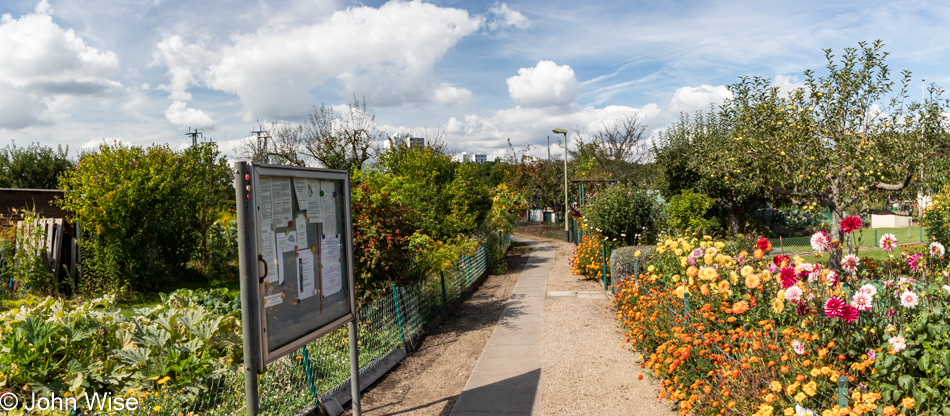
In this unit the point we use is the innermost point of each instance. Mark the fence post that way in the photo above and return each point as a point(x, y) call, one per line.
point(875, 236)
point(442, 278)
point(603, 264)
point(920, 230)
point(398, 315)
point(842, 393)
point(636, 271)
point(306, 369)
point(686, 304)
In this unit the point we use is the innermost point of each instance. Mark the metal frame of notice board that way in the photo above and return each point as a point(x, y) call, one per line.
point(296, 258)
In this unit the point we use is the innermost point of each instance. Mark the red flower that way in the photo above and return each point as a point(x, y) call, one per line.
point(834, 308)
point(850, 224)
point(849, 314)
point(788, 277)
point(764, 245)
point(780, 259)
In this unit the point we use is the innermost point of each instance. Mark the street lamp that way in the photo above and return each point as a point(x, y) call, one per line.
point(567, 232)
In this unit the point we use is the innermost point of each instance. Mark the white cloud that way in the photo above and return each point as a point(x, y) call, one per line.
point(504, 16)
point(530, 125)
point(184, 63)
point(453, 96)
point(183, 117)
point(547, 84)
point(386, 54)
point(692, 99)
point(787, 83)
point(42, 61)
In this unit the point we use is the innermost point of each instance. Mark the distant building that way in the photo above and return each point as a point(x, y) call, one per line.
point(481, 158)
point(416, 142)
point(462, 157)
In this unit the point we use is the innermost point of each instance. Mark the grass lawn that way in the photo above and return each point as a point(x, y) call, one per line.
point(866, 237)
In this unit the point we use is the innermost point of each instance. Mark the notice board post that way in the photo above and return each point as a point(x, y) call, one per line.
point(296, 257)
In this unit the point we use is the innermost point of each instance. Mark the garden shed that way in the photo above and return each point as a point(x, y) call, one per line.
point(59, 247)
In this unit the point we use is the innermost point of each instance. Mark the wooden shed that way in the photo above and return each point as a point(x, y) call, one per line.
point(60, 248)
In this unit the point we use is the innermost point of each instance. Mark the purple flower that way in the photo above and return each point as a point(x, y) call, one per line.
point(871, 355)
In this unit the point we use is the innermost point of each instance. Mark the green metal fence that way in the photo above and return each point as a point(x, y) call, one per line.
point(320, 370)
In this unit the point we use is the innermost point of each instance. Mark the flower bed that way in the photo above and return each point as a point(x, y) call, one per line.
point(734, 333)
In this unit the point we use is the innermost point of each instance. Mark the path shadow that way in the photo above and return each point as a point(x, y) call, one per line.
point(511, 396)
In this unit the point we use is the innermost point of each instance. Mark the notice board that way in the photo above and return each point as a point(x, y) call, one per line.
point(302, 242)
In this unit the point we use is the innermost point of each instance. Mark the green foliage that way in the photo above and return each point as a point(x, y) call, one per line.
point(33, 167)
point(54, 347)
point(448, 197)
point(381, 232)
point(629, 260)
point(834, 142)
point(690, 210)
point(937, 216)
point(144, 212)
point(623, 213)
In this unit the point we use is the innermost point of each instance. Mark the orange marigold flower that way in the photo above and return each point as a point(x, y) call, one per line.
point(889, 410)
point(908, 403)
point(740, 307)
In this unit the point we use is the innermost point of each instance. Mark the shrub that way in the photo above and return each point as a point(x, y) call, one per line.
point(629, 260)
point(623, 213)
point(381, 232)
point(690, 210)
point(143, 211)
point(937, 216)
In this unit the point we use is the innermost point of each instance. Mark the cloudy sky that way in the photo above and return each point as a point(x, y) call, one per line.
point(78, 72)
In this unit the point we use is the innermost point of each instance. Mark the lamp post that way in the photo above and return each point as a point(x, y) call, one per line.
point(567, 213)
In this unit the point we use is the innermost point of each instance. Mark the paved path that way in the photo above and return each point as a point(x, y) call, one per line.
point(507, 377)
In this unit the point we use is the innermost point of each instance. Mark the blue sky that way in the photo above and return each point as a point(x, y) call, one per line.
point(79, 72)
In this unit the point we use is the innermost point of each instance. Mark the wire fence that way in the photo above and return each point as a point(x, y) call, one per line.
point(321, 369)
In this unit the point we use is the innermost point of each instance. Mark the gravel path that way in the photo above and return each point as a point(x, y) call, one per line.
point(429, 381)
point(585, 370)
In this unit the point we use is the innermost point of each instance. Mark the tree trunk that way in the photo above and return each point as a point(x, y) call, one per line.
point(736, 218)
point(836, 234)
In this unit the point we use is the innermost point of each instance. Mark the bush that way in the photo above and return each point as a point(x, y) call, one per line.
point(690, 210)
point(143, 212)
point(629, 260)
point(623, 213)
point(587, 260)
point(381, 245)
point(937, 216)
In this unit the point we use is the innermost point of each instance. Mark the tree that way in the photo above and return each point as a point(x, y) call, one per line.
point(690, 155)
point(331, 138)
point(836, 141)
point(34, 166)
point(143, 211)
point(615, 151)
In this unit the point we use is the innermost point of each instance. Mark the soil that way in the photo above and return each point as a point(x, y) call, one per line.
point(429, 381)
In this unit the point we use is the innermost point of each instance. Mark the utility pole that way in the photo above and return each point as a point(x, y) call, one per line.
point(262, 135)
point(194, 136)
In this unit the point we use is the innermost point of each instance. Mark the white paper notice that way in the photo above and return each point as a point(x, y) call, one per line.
point(283, 204)
point(305, 276)
point(330, 268)
point(286, 243)
point(301, 192)
point(328, 204)
point(314, 208)
point(267, 203)
point(269, 254)
point(300, 224)
point(273, 300)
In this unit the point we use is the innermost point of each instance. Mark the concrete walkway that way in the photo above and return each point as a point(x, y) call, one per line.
point(507, 377)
